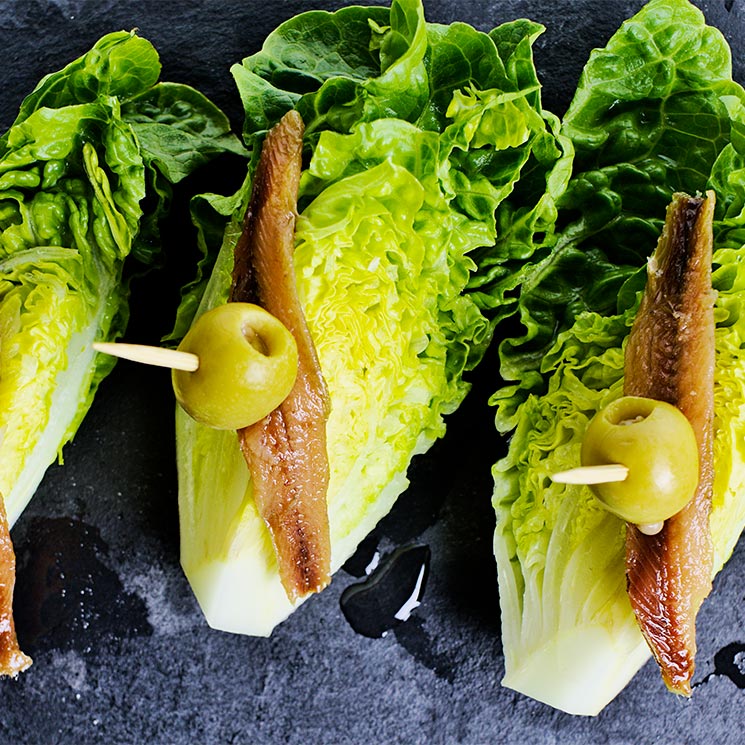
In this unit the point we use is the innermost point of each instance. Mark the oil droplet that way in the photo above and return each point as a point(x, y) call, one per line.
point(393, 589)
point(730, 662)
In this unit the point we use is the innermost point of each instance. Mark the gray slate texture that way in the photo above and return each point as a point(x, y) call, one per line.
point(122, 653)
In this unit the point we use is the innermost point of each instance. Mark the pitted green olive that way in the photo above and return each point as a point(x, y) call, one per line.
point(656, 442)
point(247, 366)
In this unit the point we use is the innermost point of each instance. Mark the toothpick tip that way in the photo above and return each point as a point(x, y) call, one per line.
point(604, 474)
point(148, 355)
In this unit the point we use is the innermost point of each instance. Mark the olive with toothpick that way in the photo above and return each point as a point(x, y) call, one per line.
point(656, 442)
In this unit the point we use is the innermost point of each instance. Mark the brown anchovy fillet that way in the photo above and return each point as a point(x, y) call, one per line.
point(670, 357)
point(286, 451)
point(12, 660)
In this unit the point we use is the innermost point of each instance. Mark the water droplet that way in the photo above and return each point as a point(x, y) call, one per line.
point(372, 566)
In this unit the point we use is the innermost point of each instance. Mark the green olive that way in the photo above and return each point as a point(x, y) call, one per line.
point(656, 442)
point(247, 366)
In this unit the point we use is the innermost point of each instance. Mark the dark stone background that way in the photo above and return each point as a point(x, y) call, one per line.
point(122, 653)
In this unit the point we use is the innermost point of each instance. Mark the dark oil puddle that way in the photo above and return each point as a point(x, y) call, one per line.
point(730, 662)
point(386, 598)
point(393, 588)
point(66, 596)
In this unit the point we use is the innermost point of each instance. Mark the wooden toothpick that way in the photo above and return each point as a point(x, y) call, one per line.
point(592, 474)
point(602, 475)
point(159, 356)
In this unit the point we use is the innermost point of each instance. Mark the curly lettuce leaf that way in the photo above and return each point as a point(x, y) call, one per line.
point(75, 172)
point(120, 65)
point(532, 175)
point(211, 214)
point(652, 113)
point(474, 84)
point(569, 635)
point(179, 129)
point(337, 68)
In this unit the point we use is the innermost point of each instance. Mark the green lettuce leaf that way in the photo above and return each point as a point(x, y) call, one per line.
point(337, 68)
point(651, 115)
point(569, 636)
point(75, 169)
point(655, 111)
point(179, 129)
point(417, 138)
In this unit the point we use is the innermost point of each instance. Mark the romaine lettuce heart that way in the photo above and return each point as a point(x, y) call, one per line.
point(418, 136)
point(569, 634)
point(392, 330)
point(75, 169)
point(655, 111)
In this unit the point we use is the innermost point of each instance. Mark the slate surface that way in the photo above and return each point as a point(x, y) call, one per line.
point(122, 654)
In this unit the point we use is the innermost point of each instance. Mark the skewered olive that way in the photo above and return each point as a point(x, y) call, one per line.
point(656, 442)
point(247, 366)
